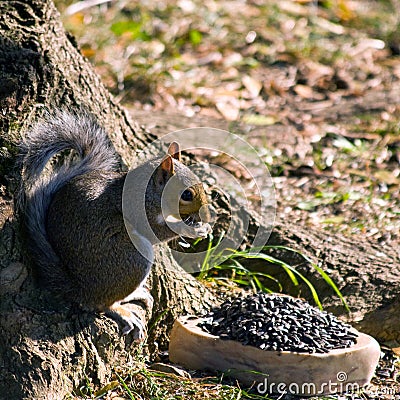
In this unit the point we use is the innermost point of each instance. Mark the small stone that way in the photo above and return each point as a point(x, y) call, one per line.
point(170, 369)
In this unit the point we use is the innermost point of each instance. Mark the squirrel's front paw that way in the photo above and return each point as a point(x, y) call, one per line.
point(202, 230)
point(123, 315)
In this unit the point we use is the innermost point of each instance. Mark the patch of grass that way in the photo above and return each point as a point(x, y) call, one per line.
point(143, 383)
point(227, 267)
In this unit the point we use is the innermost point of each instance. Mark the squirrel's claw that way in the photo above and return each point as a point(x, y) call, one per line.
point(134, 324)
point(123, 315)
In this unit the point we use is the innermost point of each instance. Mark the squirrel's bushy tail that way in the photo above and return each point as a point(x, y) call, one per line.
point(60, 131)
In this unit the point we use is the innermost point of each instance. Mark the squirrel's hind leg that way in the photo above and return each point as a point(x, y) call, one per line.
point(121, 313)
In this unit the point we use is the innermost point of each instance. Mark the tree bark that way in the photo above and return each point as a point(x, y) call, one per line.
point(46, 352)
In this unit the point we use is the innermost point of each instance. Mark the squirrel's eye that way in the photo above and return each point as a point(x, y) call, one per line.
point(187, 195)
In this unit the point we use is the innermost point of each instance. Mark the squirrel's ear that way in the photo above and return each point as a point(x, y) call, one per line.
point(174, 151)
point(167, 165)
point(165, 170)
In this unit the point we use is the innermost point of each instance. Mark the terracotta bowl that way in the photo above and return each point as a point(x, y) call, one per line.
point(339, 370)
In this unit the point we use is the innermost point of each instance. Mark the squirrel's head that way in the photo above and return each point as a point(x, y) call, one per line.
point(184, 205)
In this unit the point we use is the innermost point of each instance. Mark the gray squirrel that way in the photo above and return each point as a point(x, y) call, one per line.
point(73, 223)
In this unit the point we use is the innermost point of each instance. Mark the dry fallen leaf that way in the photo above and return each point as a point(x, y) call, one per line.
point(257, 119)
point(396, 350)
point(252, 85)
point(304, 91)
point(386, 177)
point(228, 110)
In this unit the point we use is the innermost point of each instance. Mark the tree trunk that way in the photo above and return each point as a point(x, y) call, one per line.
point(47, 352)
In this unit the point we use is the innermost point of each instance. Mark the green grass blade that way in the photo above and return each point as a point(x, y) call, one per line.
point(204, 265)
point(125, 386)
point(270, 277)
point(273, 260)
point(324, 275)
point(332, 284)
point(291, 271)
